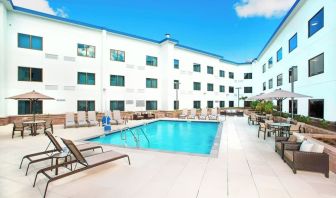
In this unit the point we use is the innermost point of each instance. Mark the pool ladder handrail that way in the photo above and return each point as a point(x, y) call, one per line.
point(136, 137)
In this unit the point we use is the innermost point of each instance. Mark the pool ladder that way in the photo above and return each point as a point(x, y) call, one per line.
point(135, 134)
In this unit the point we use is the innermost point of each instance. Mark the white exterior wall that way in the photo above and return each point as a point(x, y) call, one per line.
point(3, 84)
point(322, 86)
point(60, 75)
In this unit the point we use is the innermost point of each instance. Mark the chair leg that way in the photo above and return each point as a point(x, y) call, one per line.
point(13, 134)
point(22, 134)
point(326, 174)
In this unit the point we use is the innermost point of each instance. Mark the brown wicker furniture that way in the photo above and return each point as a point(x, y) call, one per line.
point(48, 125)
point(281, 143)
point(307, 161)
point(18, 126)
point(262, 129)
point(86, 163)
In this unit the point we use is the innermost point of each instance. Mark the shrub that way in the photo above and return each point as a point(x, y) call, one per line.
point(324, 124)
point(254, 104)
point(268, 107)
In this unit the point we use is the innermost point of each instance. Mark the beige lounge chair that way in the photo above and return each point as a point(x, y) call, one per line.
point(184, 114)
point(204, 114)
point(84, 163)
point(117, 117)
point(69, 120)
point(213, 115)
point(192, 114)
point(81, 119)
point(92, 119)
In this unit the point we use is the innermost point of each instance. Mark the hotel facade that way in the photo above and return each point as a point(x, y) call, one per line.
point(88, 67)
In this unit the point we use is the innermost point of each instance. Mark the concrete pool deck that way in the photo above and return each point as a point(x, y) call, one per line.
point(245, 167)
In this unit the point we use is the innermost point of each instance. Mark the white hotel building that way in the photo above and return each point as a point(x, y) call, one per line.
point(88, 67)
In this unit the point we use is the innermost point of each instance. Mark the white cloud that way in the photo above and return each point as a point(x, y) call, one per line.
point(41, 6)
point(263, 8)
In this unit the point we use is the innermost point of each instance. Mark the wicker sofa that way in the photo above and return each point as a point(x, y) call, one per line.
point(280, 144)
point(307, 161)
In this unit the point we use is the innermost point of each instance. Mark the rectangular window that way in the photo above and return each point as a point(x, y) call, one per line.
point(26, 107)
point(264, 86)
point(30, 74)
point(176, 84)
point(30, 42)
point(270, 83)
point(264, 68)
point(209, 87)
point(86, 78)
point(118, 81)
point(316, 65)
point(221, 88)
point(151, 61)
point(294, 107)
point(247, 75)
point(151, 105)
point(197, 104)
point(197, 86)
point(210, 104)
point(247, 89)
point(151, 83)
point(231, 103)
point(117, 55)
point(210, 70)
point(85, 105)
point(117, 105)
point(221, 73)
point(270, 62)
point(279, 55)
point(292, 43)
point(316, 108)
point(316, 23)
point(176, 105)
point(197, 67)
point(279, 80)
point(176, 64)
point(86, 50)
point(221, 104)
point(231, 89)
point(290, 72)
point(231, 75)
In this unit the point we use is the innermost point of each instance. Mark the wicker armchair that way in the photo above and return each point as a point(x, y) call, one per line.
point(280, 144)
point(49, 125)
point(18, 126)
point(307, 161)
point(262, 129)
point(252, 118)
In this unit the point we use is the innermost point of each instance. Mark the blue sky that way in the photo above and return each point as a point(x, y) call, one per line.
point(235, 29)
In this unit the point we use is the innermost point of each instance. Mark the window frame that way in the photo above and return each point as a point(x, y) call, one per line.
point(231, 75)
point(211, 86)
point(176, 66)
point(310, 34)
point(296, 43)
point(30, 74)
point(117, 80)
point(222, 72)
point(279, 52)
point(30, 41)
point(151, 83)
point(86, 105)
point(309, 108)
point(155, 63)
point(270, 83)
point(86, 50)
point(210, 70)
point(247, 76)
point(118, 51)
point(197, 106)
point(197, 83)
point(118, 102)
point(151, 109)
point(31, 103)
point(195, 66)
point(309, 69)
point(86, 78)
point(248, 89)
point(221, 88)
point(270, 62)
point(279, 84)
point(231, 88)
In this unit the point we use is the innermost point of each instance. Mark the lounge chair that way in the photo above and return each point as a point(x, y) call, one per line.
point(184, 114)
point(69, 120)
point(92, 118)
point(192, 114)
point(204, 114)
point(87, 163)
point(81, 119)
point(117, 117)
point(50, 154)
point(213, 115)
point(49, 125)
point(18, 126)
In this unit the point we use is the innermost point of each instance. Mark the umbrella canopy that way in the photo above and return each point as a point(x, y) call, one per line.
point(256, 97)
point(33, 95)
point(279, 94)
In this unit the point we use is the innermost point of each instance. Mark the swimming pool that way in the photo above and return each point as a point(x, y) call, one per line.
point(175, 136)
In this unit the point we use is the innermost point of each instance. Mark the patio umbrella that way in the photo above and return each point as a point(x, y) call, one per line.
point(281, 95)
point(33, 97)
point(253, 98)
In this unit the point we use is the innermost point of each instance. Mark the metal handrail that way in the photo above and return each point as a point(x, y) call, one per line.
point(145, 136)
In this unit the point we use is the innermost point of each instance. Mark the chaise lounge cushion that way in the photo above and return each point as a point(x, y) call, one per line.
point(292, 138)
point(289, 155)
point(317, 148)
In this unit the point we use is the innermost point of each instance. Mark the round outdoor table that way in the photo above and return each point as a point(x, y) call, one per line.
point(280, 126)
point(62, 155)
point(33, 125)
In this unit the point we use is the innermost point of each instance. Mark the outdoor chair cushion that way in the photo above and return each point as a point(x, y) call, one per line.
point(289, 155)
point(299, 137)
point(317, 148)
point(278, 145)
point(292, 138)
point(306, 146)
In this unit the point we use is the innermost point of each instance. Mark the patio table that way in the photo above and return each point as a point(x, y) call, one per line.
point(33, 125)
point(280, 126)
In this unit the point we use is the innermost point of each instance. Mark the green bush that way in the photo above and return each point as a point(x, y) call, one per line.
point(268, 107)
point(254, 104)
point(324, 124)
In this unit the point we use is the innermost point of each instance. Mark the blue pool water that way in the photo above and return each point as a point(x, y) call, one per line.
point(176, 136)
